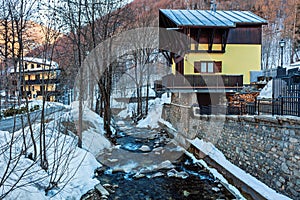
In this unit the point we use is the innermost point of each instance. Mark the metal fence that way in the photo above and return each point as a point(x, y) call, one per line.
point(285, 99)
point(280, 106)
point(219, 110)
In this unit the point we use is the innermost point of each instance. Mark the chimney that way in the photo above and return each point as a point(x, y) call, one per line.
point(213, 6)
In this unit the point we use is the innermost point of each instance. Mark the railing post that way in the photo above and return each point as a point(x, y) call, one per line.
point(281, 104)
point(258, 110)
point(255, 104)
point(273, 89)
point(299, 100)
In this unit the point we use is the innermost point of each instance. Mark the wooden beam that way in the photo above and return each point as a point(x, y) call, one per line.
point(211, 40)
point(224, 39)
point(198, 39)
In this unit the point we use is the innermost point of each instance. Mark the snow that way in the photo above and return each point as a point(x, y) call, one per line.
point(71, 167)
point(48, 104)
point(2, 93)
point(128, 112)
point(266, 92)
point(154, 113)
point(94, 142)
point(210, 150)
point(40, 60)
point(295, 64)
point(127, 167)
point(93, 138)
point(175, 173)
point(53, 64)
point(154, 105)
point(76, 169)
point(121, 123)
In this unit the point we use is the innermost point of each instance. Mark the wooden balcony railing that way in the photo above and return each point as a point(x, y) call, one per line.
point(40, 81)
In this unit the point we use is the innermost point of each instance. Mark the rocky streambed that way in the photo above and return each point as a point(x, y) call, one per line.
point(147, 164)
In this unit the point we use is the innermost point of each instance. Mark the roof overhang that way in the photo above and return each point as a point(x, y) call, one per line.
point(211, 19)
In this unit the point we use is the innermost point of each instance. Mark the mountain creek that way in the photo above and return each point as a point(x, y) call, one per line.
point(147, 164)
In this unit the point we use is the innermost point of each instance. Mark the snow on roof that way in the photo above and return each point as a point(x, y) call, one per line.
point(40, 61)
point(207, 18)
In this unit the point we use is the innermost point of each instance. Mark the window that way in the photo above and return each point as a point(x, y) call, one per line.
point(38, 65)
point(26, 66)
point(28, 77)
point(208, 67)
point(32, 88)
point(37, 77)
point(32, 66)
point(203, 67)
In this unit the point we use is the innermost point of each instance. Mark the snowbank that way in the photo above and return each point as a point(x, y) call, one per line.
point(131, 107)
point(210, 150)
point(93, 138)
point(128, 112)
point(72, 166)
point(154, 113)
point(71, 169)
point(266, 92)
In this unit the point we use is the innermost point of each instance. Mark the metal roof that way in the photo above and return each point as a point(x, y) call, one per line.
point(212, 18)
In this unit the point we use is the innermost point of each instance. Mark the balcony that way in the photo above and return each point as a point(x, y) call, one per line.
point(40, 81)
point(202, 83)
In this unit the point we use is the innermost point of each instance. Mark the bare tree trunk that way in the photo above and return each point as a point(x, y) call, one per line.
point(81, 78)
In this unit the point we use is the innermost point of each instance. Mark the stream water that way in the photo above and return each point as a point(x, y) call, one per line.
point(147, 164)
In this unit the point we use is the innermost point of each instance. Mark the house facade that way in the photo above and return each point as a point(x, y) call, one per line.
point(39, 77)
point(210, 51)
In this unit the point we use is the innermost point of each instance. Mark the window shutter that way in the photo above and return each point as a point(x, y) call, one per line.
point(218, 66)
point(197, 67)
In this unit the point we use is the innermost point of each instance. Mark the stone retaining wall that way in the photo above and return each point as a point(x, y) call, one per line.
point(266, 147)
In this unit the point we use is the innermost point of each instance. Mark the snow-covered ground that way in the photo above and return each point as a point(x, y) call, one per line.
point(71, 169)
point(210, 150)
point(48, 104)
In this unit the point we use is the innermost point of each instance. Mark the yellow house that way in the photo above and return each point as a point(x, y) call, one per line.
point(210, 50)
point(39, 77)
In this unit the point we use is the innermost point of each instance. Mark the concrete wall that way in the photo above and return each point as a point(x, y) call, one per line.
point(266, 147)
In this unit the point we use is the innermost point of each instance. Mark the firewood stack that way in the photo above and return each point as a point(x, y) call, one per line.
point(242, 98)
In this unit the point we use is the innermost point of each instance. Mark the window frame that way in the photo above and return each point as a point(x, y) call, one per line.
point(216, 68)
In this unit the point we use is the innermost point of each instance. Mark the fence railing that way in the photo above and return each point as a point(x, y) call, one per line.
point(219, 110)
point(280, 106)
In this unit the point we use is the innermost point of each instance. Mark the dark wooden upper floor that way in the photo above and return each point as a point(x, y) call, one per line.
point(186, 27)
